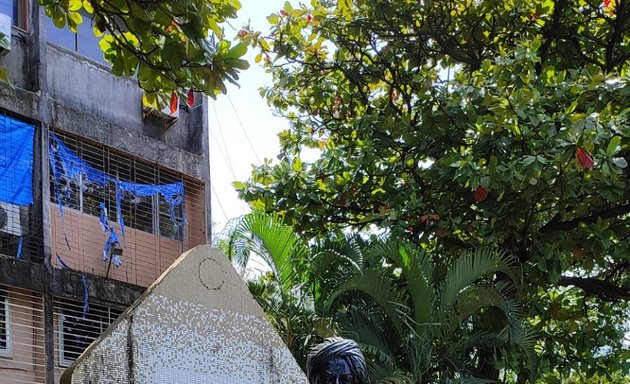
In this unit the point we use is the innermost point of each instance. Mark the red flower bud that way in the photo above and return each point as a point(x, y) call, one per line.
point(481, 194)
point(283, 12)
point(174, 102)
point(584, 159)
point(606, 3)
point(190, 98)
point(309, 18)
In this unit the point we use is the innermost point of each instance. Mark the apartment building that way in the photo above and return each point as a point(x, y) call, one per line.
point(98, 196)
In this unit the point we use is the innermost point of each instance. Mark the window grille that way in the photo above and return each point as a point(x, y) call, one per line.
point(22, 360)
point(5, 336)
point(150, 215)
point(78, 329)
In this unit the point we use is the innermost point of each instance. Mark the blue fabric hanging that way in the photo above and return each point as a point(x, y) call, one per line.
point(111, 240)
point(18, 255)
point(103, 218)
point(67, 167)
point(16, 161)
point(84, 280)
point(54, 164)
point(63, 263)
point(86, 306)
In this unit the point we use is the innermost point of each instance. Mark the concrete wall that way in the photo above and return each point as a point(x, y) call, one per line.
point(53, 87)
point(16, 61)
point(197, 324)
point(88, 100)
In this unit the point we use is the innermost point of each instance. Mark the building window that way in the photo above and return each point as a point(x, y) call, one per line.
point(17, 10)
point(152, 214)
point(83, 41)
point(5, 326)
point(77, 330)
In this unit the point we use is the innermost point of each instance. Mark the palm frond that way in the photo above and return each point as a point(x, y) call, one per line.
point(471, 380)
point(234, 245)
point(379, 288)
point(471, 267)
point(326, 259)
point(478, 296)
point(416, 271)
point(274, 242)
point(366, 330)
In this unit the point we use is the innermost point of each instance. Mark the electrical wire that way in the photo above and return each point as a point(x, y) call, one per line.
point(219, 202)
point(238, 118)
point(225, 146)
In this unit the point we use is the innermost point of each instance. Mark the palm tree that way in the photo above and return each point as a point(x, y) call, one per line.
point(423, 322)
point(418, 320)
point(280, 285)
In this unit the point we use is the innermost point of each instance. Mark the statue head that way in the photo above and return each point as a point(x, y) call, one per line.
point(336, 361)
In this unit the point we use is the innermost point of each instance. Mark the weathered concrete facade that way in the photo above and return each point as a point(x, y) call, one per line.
point(197, 323)
point(56, 89)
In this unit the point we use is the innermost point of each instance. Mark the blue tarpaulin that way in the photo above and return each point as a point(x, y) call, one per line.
point(16, 161)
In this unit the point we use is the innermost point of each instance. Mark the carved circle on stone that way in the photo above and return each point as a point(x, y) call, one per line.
point(209, 274)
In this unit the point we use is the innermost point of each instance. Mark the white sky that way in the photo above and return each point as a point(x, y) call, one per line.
point(240, 117)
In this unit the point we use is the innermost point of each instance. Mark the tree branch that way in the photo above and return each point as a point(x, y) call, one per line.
point(549, 33)
point(604, 290)
point(555, 225)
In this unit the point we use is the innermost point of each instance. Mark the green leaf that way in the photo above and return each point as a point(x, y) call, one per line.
point(237, 51)
point(75, 5)
point(88, 7)
point(237, 63)
point(4, 76)
point(150, 100)
point(272, 19)
point(74, 19)
point(297, 164)
point(613, 146)
point(58, 17)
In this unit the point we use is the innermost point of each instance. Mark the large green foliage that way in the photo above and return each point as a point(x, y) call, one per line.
point(166, 45)
point(459, 124)
point(280, 285)
point(417, 319)
point(422, 321)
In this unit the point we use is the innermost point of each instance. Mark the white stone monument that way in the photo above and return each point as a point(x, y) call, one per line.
point(196, 324)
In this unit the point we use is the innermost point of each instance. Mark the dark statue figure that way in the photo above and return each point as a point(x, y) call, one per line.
point(336, 361)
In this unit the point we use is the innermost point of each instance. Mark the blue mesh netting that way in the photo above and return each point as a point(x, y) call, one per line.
point(68, 168)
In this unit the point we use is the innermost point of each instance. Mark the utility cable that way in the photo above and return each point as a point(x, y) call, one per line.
point(219, 202)
point(238, 118)
point(216, 118)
